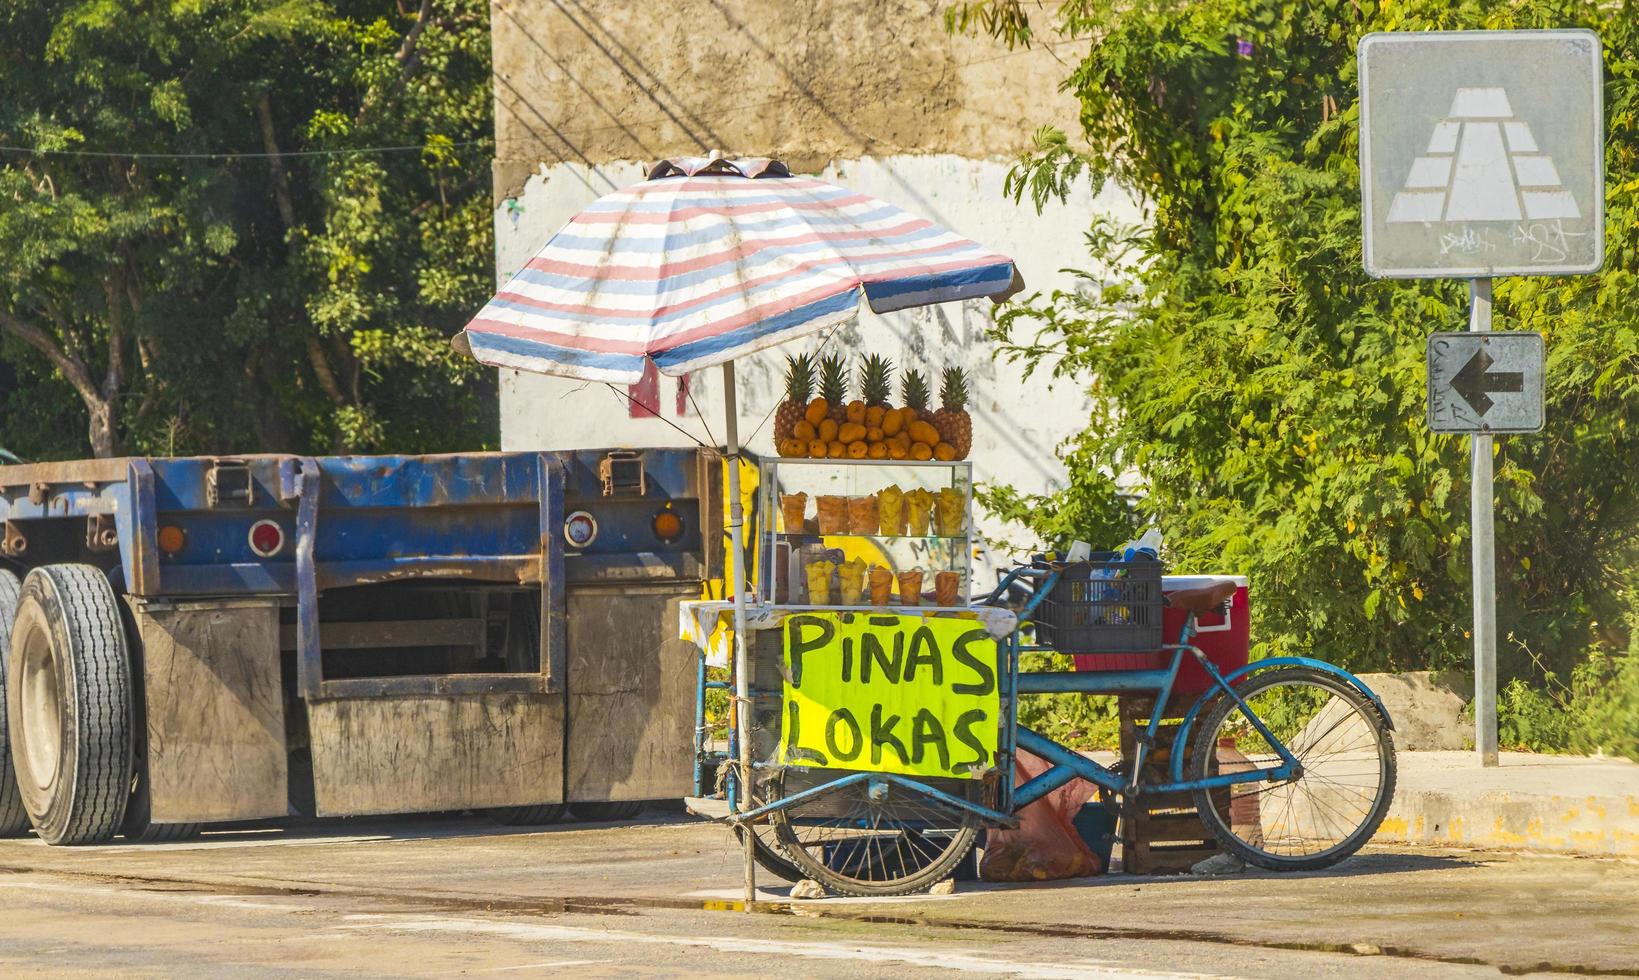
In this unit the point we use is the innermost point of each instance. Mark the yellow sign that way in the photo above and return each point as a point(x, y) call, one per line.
point(885, 693)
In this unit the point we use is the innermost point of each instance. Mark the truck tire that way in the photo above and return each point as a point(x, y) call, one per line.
point(597, 812)
point(13, 818)
point(527, 816)
point(68, 700)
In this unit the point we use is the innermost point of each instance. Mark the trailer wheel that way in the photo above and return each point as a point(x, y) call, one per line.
point(527, 816)
point(597, 812)
point(68, 700)
point(13, 818)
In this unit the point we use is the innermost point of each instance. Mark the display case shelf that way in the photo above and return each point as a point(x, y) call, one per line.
point(787, 558)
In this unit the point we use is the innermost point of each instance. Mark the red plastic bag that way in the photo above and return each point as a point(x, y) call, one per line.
point(1046, 846)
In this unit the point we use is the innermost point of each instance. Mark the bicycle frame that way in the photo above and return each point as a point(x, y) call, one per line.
point(1067, 764)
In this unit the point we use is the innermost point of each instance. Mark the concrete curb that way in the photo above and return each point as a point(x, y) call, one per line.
point(1555, 804)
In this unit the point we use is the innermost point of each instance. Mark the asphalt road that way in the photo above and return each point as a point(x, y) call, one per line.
point(425, 897)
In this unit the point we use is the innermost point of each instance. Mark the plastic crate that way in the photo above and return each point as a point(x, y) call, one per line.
point(1103, 606)
point(1225, 639)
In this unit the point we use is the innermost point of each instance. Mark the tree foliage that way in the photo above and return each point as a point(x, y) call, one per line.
point(198, 262)
point(1266, 395)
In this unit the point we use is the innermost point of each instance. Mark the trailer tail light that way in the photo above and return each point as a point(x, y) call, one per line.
point(170, 539)
point(267, 539)
point(668, 527)
point(580, 529)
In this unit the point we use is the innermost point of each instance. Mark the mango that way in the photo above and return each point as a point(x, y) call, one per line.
point(924, 432)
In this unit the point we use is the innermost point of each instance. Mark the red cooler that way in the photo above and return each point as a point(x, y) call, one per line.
point(1225, 639)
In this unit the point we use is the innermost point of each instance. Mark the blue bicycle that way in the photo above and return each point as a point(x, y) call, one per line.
point(1290, 760)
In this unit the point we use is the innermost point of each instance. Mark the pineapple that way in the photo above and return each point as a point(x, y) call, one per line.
point(833, 374)
point(876, 380)
point(914, 389)
point(952, 420)
point(799, 388)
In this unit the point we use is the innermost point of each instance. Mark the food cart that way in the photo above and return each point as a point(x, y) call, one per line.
point(870, 673)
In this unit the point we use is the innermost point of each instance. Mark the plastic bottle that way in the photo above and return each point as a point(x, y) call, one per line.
point(1147, 545)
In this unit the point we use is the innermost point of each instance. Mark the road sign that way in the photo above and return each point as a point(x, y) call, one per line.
point(1481, 153)
point(1485, 382)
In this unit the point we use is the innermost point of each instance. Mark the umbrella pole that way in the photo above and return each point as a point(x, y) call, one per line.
point(742, 658)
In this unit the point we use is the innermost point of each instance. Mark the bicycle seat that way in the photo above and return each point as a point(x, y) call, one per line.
point(1208, 598)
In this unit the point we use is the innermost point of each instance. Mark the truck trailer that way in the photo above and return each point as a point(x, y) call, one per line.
point(200, 640)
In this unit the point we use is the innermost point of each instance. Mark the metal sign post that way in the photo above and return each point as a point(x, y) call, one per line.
point(1480, 384)
point(1484, 542)
point(1481, 155)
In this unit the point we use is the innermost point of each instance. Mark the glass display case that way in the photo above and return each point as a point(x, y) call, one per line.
point(862, 534)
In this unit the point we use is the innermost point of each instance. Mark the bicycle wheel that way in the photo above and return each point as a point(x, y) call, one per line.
point(875, 838)
point(1340, 793)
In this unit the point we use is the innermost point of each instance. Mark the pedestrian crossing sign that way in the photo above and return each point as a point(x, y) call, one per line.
point(1481, 153)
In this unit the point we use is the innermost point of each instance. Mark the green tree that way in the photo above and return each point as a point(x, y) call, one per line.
point(1265, 393)
point(197, 256)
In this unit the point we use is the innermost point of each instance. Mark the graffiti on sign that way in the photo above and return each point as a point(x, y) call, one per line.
point(885, 693)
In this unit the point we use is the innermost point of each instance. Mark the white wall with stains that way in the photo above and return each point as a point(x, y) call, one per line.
point(1017, 424)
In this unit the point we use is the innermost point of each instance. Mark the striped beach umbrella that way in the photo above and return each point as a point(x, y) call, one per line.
point(710, 259)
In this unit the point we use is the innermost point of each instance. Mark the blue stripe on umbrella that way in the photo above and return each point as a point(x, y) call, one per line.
point(624, 364)
point(938, 287)
point(748, 336)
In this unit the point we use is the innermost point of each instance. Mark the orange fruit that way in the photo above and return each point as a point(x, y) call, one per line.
point(850, 432)
point(836, 450)
point(804, 430)
point(921, 451)
point(857, 449)
point(828, 430)
point(816, 449)
point(816, 411)
point(878, 450)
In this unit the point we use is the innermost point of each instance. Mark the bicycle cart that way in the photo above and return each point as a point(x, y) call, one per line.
point(870, 782)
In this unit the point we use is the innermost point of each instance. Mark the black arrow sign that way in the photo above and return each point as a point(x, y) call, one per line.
point(1473, 383)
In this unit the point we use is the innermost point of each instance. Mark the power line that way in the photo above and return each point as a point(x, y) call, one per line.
point(233, 155)
point(565, 136)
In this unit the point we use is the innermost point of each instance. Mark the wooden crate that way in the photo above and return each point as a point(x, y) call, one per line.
point(1160, 834)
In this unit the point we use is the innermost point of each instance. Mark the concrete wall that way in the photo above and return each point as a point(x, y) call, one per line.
point(871, 94)
point(577, 81)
